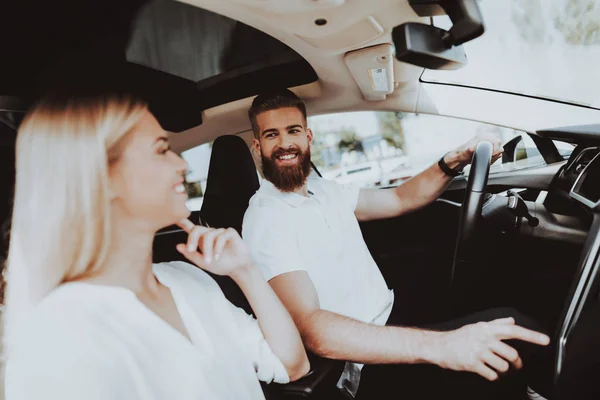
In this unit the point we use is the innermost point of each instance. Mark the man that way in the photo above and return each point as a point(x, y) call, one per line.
point(303, 231)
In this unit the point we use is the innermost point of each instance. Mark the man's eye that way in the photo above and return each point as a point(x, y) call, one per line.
point(294, 131)
point(271, 135)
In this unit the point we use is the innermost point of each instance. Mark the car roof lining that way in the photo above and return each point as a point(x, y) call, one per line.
point(333, 90)
point(106, 25)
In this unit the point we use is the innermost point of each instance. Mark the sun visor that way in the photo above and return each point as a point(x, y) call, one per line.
point(373, 70)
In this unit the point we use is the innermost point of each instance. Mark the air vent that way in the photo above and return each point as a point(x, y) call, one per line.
point(583, 159)
point(581, 165)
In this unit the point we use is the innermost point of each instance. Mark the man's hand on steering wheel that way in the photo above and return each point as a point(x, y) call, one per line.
point(462, 155)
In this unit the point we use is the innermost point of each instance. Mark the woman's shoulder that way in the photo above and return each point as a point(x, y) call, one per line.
point(70, 307)
point(62, 337)
point(62, 326)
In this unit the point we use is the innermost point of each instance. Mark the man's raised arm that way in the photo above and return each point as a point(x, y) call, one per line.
point(420, 190)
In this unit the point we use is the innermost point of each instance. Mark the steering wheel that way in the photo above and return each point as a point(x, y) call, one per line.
point(473, 203)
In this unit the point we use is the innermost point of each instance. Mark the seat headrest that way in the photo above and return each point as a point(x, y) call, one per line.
point(232, 171)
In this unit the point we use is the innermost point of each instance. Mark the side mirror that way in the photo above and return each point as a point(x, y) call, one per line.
point(434, 48)
point(510, 149)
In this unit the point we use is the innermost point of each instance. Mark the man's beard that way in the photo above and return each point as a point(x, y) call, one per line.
point(287, 178)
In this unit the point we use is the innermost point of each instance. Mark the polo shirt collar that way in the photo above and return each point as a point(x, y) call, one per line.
point(293, 199)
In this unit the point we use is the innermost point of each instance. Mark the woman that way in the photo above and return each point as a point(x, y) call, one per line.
point(88, 316)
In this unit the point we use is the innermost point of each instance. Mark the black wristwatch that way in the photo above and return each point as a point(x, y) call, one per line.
point(447, 170)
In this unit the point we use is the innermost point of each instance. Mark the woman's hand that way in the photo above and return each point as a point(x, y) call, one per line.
point(221, 251)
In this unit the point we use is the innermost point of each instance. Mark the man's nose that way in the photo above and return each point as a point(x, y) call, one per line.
point(285, 141)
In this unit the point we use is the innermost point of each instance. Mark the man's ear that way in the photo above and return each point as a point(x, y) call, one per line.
point(256, 146)
point(309, 133)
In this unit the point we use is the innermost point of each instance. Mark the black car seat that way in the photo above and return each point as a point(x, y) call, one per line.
point(232, 180)
point(7, 183)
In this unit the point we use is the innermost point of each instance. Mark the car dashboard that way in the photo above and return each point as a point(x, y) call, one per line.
point(580, 181)
point(569, 212)
point(586, 187)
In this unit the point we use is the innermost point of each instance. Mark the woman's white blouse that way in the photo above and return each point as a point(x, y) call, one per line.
point(93, 342)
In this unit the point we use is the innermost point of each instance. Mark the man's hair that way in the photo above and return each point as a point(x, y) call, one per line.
point(274, 101)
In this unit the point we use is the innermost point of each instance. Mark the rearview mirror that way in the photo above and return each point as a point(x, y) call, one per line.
point(422, 45)
point(434, 48)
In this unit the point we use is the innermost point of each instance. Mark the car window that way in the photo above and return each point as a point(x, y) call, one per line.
point(198, 159)
point(381, 148)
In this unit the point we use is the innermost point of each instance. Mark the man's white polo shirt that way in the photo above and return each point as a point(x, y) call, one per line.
point(318, 234)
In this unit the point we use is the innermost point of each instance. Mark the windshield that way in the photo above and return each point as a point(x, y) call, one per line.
point(542, 48)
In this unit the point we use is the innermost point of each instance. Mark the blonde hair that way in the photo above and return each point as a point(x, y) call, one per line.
point(61, 218)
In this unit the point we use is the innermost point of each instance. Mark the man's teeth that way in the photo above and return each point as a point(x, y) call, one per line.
point(287, 157)
point(180, 188)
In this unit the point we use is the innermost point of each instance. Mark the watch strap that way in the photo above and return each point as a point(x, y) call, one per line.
point(447, 170)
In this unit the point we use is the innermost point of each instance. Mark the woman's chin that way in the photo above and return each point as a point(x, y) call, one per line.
point(184, 213)
point(177, 215)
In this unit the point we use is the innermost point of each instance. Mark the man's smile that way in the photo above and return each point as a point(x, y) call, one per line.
point(287, 158)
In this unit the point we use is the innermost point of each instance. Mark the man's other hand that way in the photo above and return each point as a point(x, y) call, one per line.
point(480, 347)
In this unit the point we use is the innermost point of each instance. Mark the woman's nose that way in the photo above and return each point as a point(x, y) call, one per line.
point(182, 165)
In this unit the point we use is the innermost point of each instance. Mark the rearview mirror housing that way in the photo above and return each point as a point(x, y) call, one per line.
point(422, 45)
point(430, 47)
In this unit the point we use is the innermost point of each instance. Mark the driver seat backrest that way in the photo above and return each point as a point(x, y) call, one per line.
point(7, 186)
point(232, 180)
